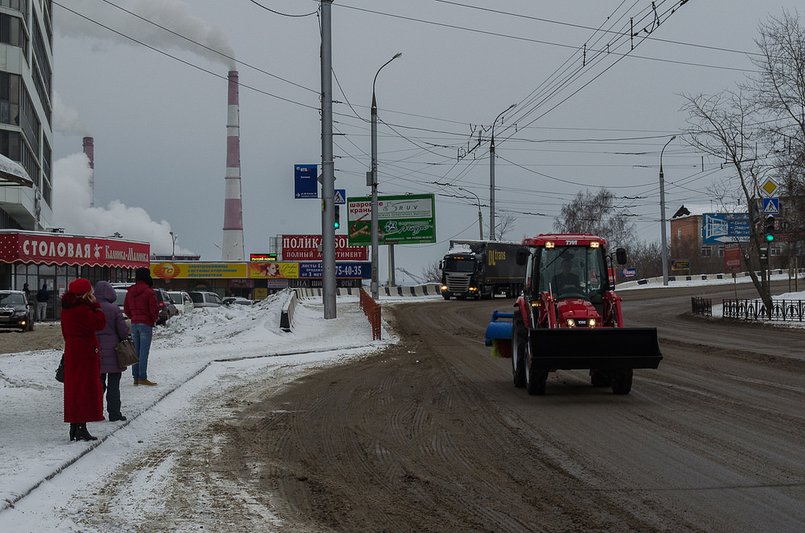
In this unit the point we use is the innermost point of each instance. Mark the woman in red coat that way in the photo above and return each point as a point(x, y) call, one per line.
point(83, 396)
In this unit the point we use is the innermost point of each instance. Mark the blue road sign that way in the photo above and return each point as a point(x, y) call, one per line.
point(352, 269)
point(340, 197)
point(305, 181)
point(771, 206)
point(723, 228)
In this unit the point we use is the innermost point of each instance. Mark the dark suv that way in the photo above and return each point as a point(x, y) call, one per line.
point(15, 311)
point(165, 306)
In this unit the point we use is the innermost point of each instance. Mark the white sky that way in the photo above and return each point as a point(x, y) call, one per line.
point(160, 124)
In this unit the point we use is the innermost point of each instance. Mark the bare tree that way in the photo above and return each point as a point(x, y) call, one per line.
point(503, 224)
point(597, 214)
point(759, 131)
point(432, 273)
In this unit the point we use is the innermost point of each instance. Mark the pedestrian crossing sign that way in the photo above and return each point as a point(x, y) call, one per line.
point(340, 196)
point(771, 206)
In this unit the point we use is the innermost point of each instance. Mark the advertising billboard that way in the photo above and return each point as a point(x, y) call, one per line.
point(198, 270)
point(308, 248)
point(403, 219)
point(725, 228)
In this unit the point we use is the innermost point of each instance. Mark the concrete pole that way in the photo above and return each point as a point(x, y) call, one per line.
point(664, 242)
point(327, 168)
point(392, 281)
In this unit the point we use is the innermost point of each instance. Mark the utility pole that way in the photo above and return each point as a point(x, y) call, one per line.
point(480, 216)
point(664, 242)
point(327, 165)
point(492, 176)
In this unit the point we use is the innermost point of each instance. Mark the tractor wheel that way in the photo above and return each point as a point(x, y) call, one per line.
point(519, 343)
point(535, 378)
point(622, 381)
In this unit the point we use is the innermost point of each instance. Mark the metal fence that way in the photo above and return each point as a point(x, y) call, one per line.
point(784, 310)
point(701, 306)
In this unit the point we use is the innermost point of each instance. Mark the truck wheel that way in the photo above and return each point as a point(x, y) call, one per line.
point(535, 378)
point(600, 378)
point(519, 342)
point(622, 381)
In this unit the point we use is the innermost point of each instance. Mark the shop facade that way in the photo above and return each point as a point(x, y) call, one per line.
point(55, 259)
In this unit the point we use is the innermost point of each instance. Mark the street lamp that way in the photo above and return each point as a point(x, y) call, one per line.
point(173, 248)
point(664, 241)
point(373, 181)
point(492, 176)
point(480, 217)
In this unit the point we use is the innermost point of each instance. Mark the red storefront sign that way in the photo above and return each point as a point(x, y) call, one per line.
point(306, 247)
point(58, 249)
point(732, 259)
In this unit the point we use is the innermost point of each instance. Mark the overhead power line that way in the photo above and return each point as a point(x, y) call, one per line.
point(281, 13)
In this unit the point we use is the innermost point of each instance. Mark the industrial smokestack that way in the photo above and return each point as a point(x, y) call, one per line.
point(232, 246)
point(89, 151)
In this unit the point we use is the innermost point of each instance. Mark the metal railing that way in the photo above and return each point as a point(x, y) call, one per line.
point(701, 306)
point(784, 310)
point(372, 311)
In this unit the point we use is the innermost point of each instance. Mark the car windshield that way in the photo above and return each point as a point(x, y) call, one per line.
point(572, 271)
point(12, 298)
point(455, 264)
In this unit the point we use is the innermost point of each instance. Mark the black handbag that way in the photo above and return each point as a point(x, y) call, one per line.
point(60, 370)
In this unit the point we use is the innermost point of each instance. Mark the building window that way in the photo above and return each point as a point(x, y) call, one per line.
point(13, 33)
point(775, 251)
point(19, 5)
point(679, 233)
point(9, 98)
point(706, 251)
point(721, 251)
point(10, 145)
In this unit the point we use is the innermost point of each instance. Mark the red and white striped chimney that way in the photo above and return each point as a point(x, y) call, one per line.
point(89, 151)
point(232, 246)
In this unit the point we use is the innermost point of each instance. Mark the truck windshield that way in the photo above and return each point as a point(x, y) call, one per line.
point(459, 265)
point(572, 271)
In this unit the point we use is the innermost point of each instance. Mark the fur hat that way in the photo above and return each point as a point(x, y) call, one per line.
point(79, 286)
point(143, 274)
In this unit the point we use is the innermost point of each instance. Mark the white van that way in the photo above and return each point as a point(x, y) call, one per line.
point(182, 301)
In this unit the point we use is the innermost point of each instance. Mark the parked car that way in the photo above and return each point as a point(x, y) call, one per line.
point(165, 307)
point(229, 300)
point(15, 311)
point(181, 300)
point(205, 299)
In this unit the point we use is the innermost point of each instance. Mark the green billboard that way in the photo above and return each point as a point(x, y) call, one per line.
point(403, 219)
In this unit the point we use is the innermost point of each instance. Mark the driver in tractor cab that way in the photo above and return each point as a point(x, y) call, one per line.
point(566, 279)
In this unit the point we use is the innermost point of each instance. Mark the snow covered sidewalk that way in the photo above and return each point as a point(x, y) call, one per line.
point(34, 443)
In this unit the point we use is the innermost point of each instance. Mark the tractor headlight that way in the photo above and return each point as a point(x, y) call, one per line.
point(473, 289)
point(592, 323)
point(571, 323)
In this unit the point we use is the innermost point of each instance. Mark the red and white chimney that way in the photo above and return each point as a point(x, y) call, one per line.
point(232, 245)
point(89, 151)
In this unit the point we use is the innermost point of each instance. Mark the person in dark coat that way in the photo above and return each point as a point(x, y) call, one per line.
point(140, 306)
point(81, 318)
point(116, 330)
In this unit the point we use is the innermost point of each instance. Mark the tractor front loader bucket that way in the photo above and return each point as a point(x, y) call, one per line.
point(601, 348)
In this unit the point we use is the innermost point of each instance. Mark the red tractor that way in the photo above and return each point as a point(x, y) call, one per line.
point(569, 317)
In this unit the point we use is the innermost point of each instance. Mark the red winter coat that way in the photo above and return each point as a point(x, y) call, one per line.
point(140, 304)
point(83, 394)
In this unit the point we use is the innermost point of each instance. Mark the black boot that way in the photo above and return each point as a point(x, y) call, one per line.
point(82, 433)
point(73, 428)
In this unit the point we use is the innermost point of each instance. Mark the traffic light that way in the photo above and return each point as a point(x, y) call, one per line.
point(768, 227)
point(337, 217)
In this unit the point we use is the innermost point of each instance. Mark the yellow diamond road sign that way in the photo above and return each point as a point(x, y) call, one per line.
point(769, 187)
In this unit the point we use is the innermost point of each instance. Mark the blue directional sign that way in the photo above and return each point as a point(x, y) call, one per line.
point(722, 228)
point(771, 206)
point(305, 179)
